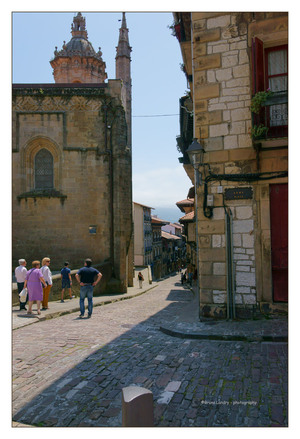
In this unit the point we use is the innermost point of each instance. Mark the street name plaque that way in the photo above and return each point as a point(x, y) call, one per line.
point(239, 193)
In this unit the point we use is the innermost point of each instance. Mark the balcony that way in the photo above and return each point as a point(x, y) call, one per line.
point(186, 128)
point(272, 121)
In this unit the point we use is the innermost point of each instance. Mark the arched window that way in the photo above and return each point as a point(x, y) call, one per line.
point(43, 170)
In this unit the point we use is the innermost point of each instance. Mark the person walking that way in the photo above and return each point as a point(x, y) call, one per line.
point(86, 278)
point(47, 275)
point(183, 278)
point(20, 274)
point(140, 279)
point(66, 281)
point(33, 283)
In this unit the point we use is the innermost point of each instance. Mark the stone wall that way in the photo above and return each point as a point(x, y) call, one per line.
point(221, 92)
point(92, 177)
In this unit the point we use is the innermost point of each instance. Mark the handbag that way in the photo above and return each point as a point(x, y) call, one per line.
point(23, 295)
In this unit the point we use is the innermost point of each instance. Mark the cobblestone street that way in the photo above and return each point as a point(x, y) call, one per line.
point(70, 372)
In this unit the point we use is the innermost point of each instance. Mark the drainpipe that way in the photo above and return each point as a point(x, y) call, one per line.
point(229, 265)
point(196, 174)
point(108, 150)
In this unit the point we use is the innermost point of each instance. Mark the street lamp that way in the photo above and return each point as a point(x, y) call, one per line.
point(195, 152)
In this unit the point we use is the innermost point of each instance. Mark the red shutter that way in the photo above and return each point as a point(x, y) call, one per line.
point(258, 83)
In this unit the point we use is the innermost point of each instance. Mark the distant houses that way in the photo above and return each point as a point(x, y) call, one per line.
point(158, 243)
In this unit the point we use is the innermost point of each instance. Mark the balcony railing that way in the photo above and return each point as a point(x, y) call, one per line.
point(274, 116)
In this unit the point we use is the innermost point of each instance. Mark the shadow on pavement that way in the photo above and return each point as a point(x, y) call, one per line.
point(89, 394)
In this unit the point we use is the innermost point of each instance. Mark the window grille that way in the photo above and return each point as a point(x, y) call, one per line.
point(43, 167)
point(277, 75)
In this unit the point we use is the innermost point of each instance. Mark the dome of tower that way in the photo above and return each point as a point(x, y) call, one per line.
point(67, 68)
point(79, 46)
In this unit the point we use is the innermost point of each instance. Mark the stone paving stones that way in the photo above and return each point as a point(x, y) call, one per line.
point(195, 382)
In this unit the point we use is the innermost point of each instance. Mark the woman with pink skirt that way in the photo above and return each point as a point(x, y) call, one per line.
point(33, 282)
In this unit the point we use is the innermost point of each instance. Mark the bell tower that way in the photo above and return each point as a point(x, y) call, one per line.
point(123, 60)
point(77, 61)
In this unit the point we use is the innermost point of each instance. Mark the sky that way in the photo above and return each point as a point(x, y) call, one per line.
point(159, 180)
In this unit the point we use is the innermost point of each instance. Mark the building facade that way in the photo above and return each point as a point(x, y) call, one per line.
point(237, 70)
point(188, 231)
point(143, 254)
point(170, 256)
point(72, 188)
point(157, 266)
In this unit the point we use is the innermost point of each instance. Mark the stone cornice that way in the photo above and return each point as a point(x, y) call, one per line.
point(64, 90)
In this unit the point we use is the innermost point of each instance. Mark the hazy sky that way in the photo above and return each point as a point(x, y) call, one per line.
point(159, 180)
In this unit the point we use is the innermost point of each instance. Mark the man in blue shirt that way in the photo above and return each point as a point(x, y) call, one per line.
point(87, 277)
point(66, 281)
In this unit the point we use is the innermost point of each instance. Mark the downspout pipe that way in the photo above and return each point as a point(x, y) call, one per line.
point(196, 174)
point(108, 150)
point(111, 172)
point(229, 265)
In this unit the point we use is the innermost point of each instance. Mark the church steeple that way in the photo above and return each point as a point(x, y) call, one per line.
point(123, 48)
point(123, 60)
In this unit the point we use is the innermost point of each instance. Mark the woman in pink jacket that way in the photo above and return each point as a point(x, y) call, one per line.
point(33, 283)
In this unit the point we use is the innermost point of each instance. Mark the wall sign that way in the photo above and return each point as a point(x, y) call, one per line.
point(239, 193)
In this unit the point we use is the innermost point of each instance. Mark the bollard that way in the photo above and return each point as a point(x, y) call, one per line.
point(137, 407)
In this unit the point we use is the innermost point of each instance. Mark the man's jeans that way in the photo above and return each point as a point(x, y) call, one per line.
point(86, 291)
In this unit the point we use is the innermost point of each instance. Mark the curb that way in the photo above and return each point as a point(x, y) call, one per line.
point(77, 309)
point(195, 335)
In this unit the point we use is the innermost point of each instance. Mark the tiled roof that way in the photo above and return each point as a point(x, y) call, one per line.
point(143, 205)
point(177, 226)
point(167, 235)
point(189, 202)
point(188, 217)
point(155, 220)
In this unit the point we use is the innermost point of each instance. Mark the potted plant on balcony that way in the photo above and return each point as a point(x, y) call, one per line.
point(176, 31)
point(259, 130)
point(258, 100)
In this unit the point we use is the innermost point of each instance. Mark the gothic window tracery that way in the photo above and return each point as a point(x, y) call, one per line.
point(43, 170)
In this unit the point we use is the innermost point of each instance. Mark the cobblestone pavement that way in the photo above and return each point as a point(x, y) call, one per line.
point(70, 372)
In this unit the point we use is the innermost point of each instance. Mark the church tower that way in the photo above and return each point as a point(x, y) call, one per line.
point(123, 70)
point(78, 61)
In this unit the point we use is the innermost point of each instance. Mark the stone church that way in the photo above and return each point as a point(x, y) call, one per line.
point(72, 161)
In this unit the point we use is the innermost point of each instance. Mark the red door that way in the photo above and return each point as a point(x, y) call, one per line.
point(279, 240)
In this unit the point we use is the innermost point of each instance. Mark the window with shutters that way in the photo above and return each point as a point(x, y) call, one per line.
point(270, 71)
point(43, 170)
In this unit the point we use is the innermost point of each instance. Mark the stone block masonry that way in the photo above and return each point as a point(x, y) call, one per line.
point(219, 61)
point(72, 220)
point(212, 243)
point(224, 60)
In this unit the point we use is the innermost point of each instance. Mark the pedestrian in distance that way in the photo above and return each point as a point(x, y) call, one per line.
point(33, 283)
point(66, 281)
point(87, 277)
point(183, 278)
point(195, 275)
point(140, 279)
point(47, 275)
point(20, 274)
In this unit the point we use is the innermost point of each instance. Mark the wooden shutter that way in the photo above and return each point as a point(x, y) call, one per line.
point(279, 240)
point(258, 83)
